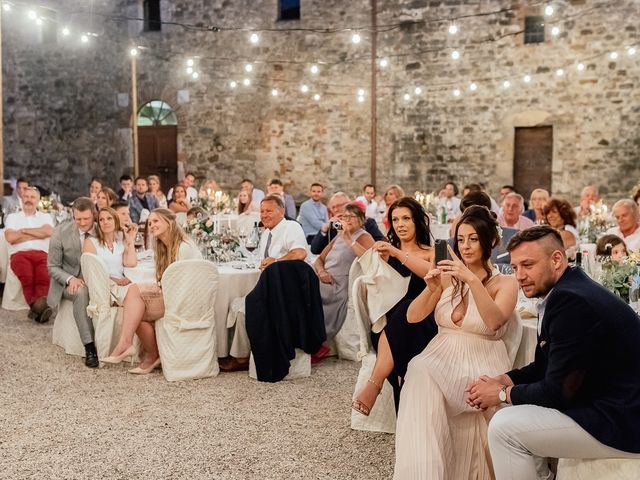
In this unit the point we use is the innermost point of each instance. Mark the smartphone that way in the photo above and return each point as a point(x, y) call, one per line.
point(442, 253)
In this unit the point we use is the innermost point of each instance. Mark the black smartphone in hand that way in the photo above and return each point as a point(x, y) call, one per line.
point(441, 250)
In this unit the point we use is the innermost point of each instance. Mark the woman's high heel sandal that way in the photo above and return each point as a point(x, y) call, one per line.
point(361, 407)
point(144, 371)
point(129, 352)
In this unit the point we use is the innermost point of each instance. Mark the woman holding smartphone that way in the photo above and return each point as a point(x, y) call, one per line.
point(409, 252)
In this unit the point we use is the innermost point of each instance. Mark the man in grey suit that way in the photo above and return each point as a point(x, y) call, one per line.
point(65, 249)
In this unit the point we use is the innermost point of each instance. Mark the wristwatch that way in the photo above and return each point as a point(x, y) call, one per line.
point(502, 394)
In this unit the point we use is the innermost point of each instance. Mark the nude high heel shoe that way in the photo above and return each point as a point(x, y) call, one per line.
point(362, 407)
point(144, 371)
point(129, 352)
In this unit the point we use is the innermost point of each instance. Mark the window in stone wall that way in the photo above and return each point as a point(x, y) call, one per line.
point(155, 113)
point(151, 9)
point(289, 10)
point(534, 29)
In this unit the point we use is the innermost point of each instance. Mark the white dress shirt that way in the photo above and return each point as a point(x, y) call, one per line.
point(631, 241)
point(18, 220)
point(372, 207)
point(285, 236)
point(192, 195)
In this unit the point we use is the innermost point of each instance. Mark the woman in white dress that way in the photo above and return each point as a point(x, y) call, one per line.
point(154, 187)
point(144, 304)
point(439, 436)
point(115, 252)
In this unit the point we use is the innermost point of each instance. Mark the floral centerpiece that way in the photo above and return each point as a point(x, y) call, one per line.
point(216, 243)
point(617, 276)
point(214, 201)
point(428, 202)
point(594, 225)
point(51, 204)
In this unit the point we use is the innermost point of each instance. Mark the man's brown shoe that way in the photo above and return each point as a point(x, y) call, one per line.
point(232, 364)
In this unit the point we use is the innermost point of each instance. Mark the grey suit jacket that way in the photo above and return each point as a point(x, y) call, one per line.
point(63, 259)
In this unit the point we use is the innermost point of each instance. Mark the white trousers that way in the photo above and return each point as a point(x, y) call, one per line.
point(522, 436)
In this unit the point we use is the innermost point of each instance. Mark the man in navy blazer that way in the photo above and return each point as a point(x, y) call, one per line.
point(580, 398)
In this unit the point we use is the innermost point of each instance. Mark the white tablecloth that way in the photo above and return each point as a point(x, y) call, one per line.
point(232, 283)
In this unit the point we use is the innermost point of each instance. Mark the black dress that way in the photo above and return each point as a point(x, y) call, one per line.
point(406, 340)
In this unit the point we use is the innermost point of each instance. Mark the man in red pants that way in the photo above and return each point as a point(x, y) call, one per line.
point(27, 233)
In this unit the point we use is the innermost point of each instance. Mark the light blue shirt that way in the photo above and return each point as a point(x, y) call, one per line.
point(312, 216)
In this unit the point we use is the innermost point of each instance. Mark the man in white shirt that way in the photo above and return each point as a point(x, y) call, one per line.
point(626, 213)
point(447, 199)
point(282, 240)
point(588, 197)
point(277, 187)
point(256, 194)
point(367, 197)
point(313, 213)
point(13, 203)
point(188, 182)
point(511, 214)
point(27, 233)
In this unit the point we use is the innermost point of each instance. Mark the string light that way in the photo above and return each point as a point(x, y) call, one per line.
point(384, 62)
point(453, 29)
point(361, 92)
point(32, 15)
point(133, 52)
point(406, 97)
point(506, 84)
point(6, 7)
point(555, 31)
point(39, 21)
point(66, 31)
point(473, 87)
point(455, 55)
point(304, 88)
point(526, 78)
point(314, 69)
point(84, 39)
point(274, 92)
point(631, 51)
point(613, 55)
point(355, 38)
point(254, 38)
point(316, 97)
point(195, 75)
point(189, 70)
point(559, 72)
point(580, 67)
point(233, 84)
point(457, 92)
point(246, 82)
point(190, 62)
point(548, 10)
point(248, 68)
point(360, 98)
point(417, 91)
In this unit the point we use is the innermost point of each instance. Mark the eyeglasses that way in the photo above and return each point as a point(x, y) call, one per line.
point(348, 216)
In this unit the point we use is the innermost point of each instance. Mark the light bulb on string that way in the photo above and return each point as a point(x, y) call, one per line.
point(189, 70)
point(548, 10)
point(613, 55)
point(66, 31)
point(457, 92)
point(453, 29)
point(473, 87)
point(248, 68)
point(455, 54)
point(631, 51)
point(39, 21)
point(314, 69)
point(195, 75)
point(580, 67)
point(406, 97)
point(6, 7)
point(506, 84)
point(32, 14)
point(316, 97)
point(555, 31)
point(133, 52)
point(356, 38)
point(254, 38)
point(233, 84)
point(384, 62)
point(246, 82)
point(84, 39)
point(417, 90)
point(360, 98)
point(190, 62)
point(526, 78)
point(559, 72)
point(274, 92)
point(304, 88)
point(361, 92)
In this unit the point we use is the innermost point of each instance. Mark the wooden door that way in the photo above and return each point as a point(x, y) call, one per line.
point(533, 154)
point(158, 153)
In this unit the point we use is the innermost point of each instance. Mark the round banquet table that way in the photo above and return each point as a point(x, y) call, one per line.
point(232, 283)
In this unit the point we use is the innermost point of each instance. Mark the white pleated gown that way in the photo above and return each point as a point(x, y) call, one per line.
point(438, 436)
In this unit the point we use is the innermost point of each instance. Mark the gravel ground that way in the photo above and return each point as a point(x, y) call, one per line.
point(61, 420)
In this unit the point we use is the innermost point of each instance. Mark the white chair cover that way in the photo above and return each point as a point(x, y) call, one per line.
point(300, 366)
point(181, 218)
point(13, 297)
point(4, 258)
point(65, 331)
point(236, 319)
point(347, 340)
point(513, 336)
point(107, 320)
point(186, 334)
point(601, 469)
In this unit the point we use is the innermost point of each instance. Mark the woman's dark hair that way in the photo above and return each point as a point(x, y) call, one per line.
point(420, 220)
point(609, 241)
point(475, 197)
point(357, 211)
point(564, 208)
point(485, 224)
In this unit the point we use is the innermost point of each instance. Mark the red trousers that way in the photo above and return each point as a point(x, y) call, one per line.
point(30, 267)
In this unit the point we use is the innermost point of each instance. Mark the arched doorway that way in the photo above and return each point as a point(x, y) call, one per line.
point(158, 142)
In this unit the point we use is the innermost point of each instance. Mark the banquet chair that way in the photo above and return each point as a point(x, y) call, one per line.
point(107, 319)
point(4, 257)
point(347, 340)
point(65, 331)
point(186, 334)
point(13, 297)
point(181, 218)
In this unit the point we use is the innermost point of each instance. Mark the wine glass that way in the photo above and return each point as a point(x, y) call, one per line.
point(251, 244)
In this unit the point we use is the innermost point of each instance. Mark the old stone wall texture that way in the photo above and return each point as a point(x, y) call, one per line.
point(63, 123)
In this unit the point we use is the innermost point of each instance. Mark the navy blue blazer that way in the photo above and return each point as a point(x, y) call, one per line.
point(587, 362)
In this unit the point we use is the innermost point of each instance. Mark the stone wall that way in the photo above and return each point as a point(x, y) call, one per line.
point(61, 112)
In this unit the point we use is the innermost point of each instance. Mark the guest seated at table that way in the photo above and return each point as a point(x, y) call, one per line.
point(276, 187)
point(367, 197)
point(209, 186)
point(141, 200)
point(636, 196)
point(336, 208)
point(511, 214)
point(122, 209)
point(194, 212)
point(256, 194)
point(126, 188)
point(13, 202)
point(475, 197)
point(154, 187)
point(580, 398)
point(95, 185)
point(448, 199)
point(313, 213)
point(188, 183)
point(611, 246)
point(332, 267)
point(625, 212)
point(559, 214)
point(410, 253)
point(114, 252)
point(27, 233)
point(143, 303)
point(179, 202)
point(437, 434)
point(537, 201)
point(281, 240)
point(588, 198)
point(105, 198)
point(246, 205)
point(391, 194)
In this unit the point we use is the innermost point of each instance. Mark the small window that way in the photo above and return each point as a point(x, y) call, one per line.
point(152, 20)
point(289, 9)
point(534, 29)
point(155, 113)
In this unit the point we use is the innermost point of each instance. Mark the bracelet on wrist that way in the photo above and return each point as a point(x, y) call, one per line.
point(406, 257)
